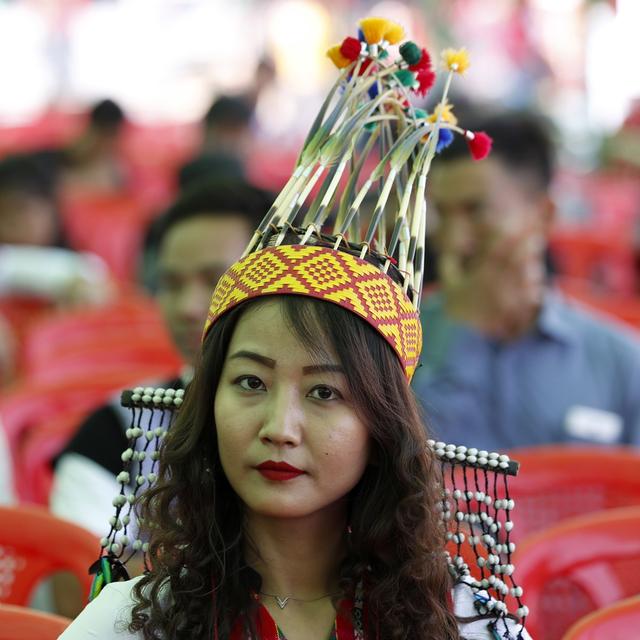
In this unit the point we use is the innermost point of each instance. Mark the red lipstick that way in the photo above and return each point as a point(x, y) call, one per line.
point(278, 471)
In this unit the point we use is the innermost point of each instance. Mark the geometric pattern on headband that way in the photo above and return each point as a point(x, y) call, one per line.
point(331, 275)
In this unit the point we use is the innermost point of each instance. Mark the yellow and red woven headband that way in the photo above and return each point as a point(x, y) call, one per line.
point(330, 275)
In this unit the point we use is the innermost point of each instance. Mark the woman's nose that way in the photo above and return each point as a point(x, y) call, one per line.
point(282, 423)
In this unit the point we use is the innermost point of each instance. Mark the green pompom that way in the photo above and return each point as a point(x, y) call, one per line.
point(420, 113)
point(411, 52)
point(405, 77)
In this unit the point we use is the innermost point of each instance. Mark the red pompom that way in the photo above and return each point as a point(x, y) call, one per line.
point(423, 63)
point(479, 145)
point(426, 79)
point(350, 48)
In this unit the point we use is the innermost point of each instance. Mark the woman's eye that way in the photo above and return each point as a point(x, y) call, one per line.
point(250, 383)
point(324, 393)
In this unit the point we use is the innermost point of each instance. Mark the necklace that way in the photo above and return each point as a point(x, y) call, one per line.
point(282, 602)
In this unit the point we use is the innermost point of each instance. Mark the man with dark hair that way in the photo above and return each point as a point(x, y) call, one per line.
point(34, 261)
point(93, 161)
point(191, 247)
point(227, 126)
point(507, 361)
point(28, 212)
point(107, 116)
point(226, 142)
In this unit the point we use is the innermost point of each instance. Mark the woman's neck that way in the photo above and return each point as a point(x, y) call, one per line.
point(298, 558)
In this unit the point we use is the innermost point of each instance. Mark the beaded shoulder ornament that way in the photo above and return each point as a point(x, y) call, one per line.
point(368, 142)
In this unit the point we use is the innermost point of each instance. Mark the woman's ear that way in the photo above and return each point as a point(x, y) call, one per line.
point(547, 213)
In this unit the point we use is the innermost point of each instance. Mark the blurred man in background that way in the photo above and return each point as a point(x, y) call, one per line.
point(507, 361)
point(28, 208)
point(93, 161)
point(226, 141)
point(196, 240)
point(35, 265)
point(227, 127)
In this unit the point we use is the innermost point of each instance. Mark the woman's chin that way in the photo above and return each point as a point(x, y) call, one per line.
point(280, 506)
point(278, 509)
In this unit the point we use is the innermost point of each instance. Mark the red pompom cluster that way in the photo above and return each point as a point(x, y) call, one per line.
point(426, 79)
point(350, 48)
point(423, 63)
point(424, 73)
point(479, 145)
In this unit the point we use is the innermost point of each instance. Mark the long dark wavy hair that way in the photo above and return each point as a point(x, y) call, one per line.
point(199, 584)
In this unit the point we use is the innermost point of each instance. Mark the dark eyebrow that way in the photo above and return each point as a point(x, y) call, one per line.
point(269, 362)
point(250, 355)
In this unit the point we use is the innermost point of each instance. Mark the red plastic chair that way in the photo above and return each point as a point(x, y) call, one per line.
point(154, 155)
point(578, 566)
point(32, 407)
point(145, 356)
point(590, 255)
point(39, 447)
point(19, 314)
point(35, 544)
point(559, 482)
point(613, 622)
point(613, 199)
point(623, 308)
point(21, 311)
point(50, 129)
point(127, 334)
point(134, 312)
point(111, 225)
point(20, 623)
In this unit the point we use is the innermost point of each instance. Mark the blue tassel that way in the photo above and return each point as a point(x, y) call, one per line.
point(445, 138)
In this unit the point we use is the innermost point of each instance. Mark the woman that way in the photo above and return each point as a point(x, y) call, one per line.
point(297, 495)
point(296, 476)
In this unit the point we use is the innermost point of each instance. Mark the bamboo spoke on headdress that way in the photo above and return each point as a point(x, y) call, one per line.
point(347, 195)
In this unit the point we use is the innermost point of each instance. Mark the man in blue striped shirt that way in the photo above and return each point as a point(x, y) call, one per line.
point(508, 362)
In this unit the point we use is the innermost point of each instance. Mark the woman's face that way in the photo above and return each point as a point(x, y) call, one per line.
point(277, 403)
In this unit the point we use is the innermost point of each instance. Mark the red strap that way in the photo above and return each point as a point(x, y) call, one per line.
point(344, 627)
point(268, 629)
point(450, 604)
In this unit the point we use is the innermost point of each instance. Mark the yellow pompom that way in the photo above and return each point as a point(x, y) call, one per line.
point(337, 58)
point(445, 112)
point(456, 60)
point(394, 33)
point(374, 29)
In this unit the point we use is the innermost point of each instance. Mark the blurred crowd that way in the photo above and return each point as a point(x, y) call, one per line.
point(111, 244)
point(507, 288)
point(80, 233)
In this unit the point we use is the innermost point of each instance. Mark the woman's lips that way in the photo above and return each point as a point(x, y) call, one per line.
point(278, 471)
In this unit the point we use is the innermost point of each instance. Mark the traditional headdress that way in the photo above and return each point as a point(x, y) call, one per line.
point(367, 140)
